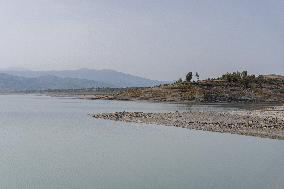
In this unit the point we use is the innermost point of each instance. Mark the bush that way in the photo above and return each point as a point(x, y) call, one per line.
point(240, 77)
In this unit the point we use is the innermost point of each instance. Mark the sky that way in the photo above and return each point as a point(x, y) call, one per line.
point(157, 39)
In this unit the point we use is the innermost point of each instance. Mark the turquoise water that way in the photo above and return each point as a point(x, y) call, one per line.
point(53, 143)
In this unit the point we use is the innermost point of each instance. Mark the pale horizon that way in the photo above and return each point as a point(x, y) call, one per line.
point(160, 40)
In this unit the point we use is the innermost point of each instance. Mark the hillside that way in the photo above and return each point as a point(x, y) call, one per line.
point(228, 88)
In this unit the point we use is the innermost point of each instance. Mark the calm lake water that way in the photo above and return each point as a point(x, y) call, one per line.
point(50, 143)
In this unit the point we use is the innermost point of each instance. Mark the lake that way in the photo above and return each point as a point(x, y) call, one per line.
point(49, 142)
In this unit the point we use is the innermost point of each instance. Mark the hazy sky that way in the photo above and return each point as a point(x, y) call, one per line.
point(158, 39)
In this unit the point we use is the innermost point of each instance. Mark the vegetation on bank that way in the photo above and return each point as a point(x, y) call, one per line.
point(240, 78)
point(230, 87)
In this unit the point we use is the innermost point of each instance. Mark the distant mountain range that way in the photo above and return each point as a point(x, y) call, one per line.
point(69, 79)
point(10, 83)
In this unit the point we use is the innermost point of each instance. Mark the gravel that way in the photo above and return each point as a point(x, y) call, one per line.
point(267, 123)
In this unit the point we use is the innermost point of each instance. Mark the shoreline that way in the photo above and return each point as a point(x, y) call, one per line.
point(184, 102)
point(268, 123)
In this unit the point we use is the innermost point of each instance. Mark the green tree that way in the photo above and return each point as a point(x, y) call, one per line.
point(189, 77)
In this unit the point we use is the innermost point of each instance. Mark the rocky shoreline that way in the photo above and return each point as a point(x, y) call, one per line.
point(267, 123)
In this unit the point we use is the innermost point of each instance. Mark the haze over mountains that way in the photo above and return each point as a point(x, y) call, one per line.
point(19, 80)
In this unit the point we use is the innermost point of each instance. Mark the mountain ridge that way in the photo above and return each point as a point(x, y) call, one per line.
point(112, 77)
